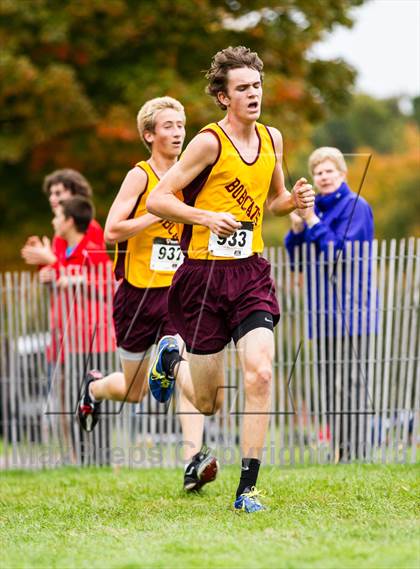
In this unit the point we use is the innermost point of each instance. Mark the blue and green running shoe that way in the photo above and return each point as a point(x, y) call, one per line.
point(161, 382)
point(249, 502)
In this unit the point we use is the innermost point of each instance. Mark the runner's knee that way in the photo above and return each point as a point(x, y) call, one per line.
point(258, 381)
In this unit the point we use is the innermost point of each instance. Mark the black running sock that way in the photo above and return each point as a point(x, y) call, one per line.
point(169, 361)
point(249, 474)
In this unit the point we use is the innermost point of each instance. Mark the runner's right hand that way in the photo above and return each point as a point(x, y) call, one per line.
point(222, 224)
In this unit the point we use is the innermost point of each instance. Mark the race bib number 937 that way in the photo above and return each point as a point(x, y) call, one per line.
point(166, 255)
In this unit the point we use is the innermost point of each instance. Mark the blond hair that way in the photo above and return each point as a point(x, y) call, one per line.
point(146, 117)
point(327, 153)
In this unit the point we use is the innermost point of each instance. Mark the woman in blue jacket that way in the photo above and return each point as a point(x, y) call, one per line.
point(339, 216)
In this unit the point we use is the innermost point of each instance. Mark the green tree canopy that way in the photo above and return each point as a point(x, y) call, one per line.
point(416, 110)
point(366, 121)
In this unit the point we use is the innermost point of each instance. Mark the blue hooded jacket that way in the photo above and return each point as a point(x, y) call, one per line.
point(344, 217)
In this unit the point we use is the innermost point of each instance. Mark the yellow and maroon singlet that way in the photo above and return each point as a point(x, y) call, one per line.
point(235, 186)
point(150, 258)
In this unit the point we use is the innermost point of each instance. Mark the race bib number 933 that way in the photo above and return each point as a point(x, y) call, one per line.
point(237, 245)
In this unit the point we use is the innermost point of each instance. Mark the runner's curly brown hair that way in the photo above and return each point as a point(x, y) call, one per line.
point(223, 61)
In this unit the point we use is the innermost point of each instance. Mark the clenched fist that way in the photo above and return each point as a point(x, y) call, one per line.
point(303, 194)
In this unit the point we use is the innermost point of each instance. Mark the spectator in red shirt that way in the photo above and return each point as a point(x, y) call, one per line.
point(60, 185)
point(79, 324)
point(74, 272)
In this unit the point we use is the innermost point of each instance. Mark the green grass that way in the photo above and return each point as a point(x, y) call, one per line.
point(321, 516)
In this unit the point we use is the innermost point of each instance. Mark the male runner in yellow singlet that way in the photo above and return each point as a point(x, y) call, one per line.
point(223, 290)
point(147, 254)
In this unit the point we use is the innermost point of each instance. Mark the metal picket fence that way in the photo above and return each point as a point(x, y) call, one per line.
point(346, 373)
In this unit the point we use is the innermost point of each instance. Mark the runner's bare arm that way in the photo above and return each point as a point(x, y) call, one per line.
point(284, 202)
point(200, 153)
point(118, 227)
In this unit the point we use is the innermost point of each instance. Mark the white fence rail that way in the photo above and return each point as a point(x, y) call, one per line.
point(346, 370)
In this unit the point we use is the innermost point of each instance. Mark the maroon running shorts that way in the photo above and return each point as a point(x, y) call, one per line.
point(140, 316)
point(209, 299)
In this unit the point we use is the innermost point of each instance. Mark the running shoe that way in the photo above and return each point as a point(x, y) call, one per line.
point(87, 409)
point(249, 502)
point(162, 383)
point(202, 469)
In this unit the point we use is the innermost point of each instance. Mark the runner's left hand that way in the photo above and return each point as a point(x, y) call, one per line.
point(304, 195)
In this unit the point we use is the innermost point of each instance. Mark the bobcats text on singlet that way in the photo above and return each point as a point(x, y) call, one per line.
point(234, 186)
point(134, 257)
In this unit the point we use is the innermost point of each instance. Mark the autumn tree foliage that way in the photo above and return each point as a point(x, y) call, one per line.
point(392, 186)
point(378, 127)
point(381, 145)
point(74, 74)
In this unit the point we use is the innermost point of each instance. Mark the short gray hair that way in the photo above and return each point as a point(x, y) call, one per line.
point(327, 153)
